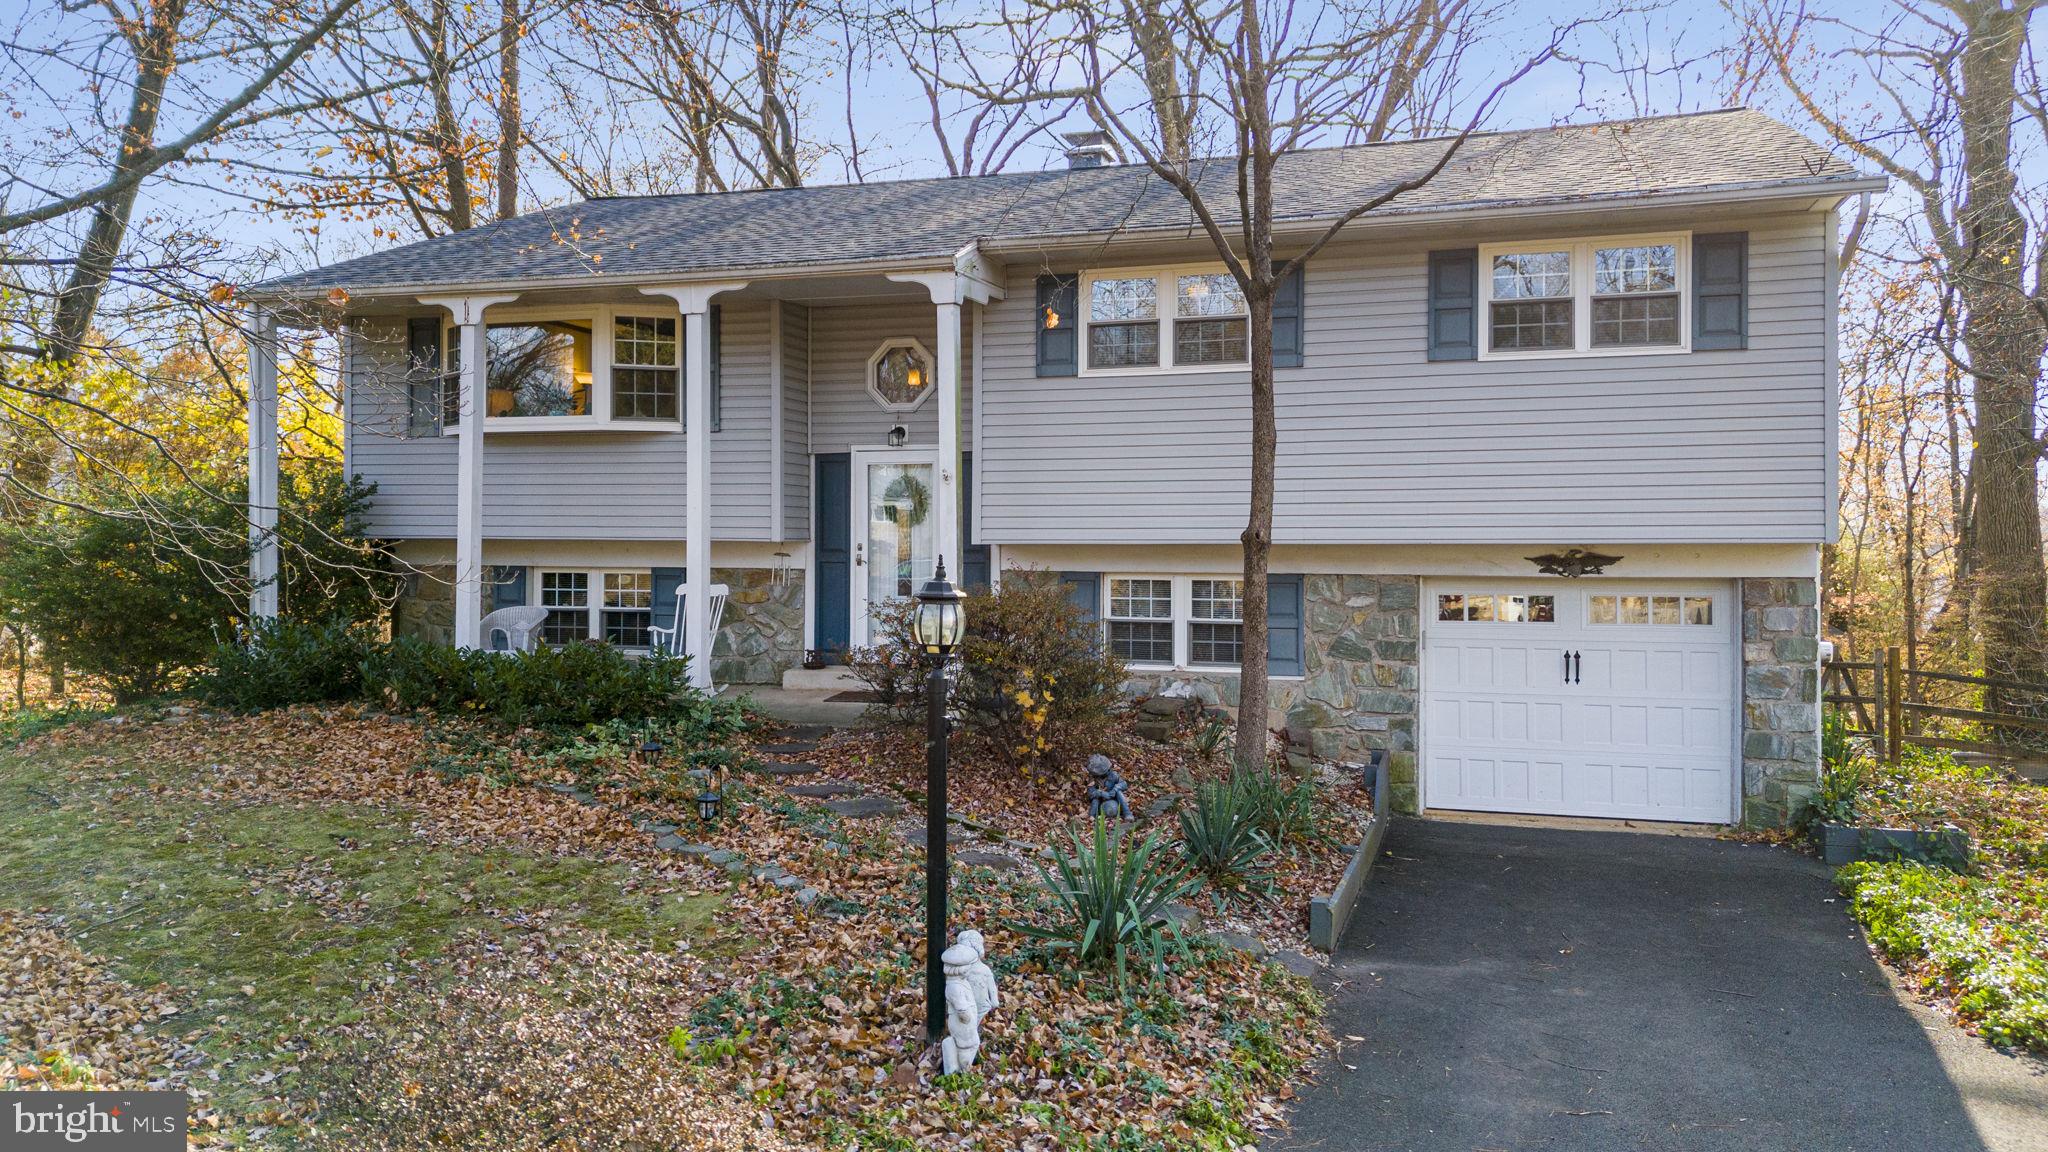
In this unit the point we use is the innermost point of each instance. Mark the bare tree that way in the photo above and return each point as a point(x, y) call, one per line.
point(1964, 99)
point(1248, 82)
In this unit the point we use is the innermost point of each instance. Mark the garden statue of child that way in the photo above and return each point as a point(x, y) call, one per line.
point(1106, 789)
point(962, 1041)
point(979, 975)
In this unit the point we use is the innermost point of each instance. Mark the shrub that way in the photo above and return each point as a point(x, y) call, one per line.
point(1281, 805)
point(135, 589)
point(283, 662)
point(1034, 677)
point(1110, 896)
point(571, 686)
point(1220, 836)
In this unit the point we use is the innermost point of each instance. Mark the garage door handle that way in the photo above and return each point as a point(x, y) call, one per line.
point(1567, 666)
point(1575, 668)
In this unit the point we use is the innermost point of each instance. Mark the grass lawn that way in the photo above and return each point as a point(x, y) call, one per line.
point(1978, 942)
point(346, 930)
point(274, 926)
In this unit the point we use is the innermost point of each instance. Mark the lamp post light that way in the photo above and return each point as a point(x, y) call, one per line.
point(941, 621)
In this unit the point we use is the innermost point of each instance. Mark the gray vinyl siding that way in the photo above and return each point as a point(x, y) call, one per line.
point(843, 414)
point(796, 422)
point(1376, 444)
point(617, 485)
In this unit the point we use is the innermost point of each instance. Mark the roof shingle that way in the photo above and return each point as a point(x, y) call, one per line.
point(634, 238)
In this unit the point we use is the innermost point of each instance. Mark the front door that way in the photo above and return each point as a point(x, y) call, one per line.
point(895, 539)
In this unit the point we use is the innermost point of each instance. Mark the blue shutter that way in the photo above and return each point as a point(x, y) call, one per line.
point(1454, 304)
point(717, 325)
point(423, 376)
point(1720, 291)
point(1059, 347)
point(666, 582)
point(832, 628)
point(1284, 648)
point(1287, 310)
point(1084, 591)
point(974, 557)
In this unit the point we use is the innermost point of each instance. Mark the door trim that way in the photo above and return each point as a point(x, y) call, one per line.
point(856, 527)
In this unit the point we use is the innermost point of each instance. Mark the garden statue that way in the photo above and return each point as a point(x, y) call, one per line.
point(979, 975)
point(962, 1042)
point(1106, 789)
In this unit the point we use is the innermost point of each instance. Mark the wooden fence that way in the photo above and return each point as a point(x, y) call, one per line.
point(1895, 706)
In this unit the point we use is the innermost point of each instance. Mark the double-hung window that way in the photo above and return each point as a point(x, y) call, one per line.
point(613, 606)
point(1141, 620)
point(1625, 294)
point(1164, 318)
point(1176, 621)
point(646, 368)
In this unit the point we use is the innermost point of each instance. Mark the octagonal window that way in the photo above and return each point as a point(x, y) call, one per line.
point(900, 375)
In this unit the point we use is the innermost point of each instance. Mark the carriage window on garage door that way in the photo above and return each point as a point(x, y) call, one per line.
point(1493, 608)
point(1650, 610)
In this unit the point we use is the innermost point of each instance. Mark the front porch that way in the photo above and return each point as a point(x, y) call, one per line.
point(623, 429)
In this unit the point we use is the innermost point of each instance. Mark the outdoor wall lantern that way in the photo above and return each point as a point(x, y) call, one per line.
point(941, 622)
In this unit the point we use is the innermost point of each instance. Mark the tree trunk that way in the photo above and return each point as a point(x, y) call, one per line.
point(1159, 58)
point(2003, 337)
point(509, 33)
point(155, 46)
point(1252, 690)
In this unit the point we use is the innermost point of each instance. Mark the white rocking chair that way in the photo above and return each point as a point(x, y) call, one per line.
point(669, 640)
point(519, 625)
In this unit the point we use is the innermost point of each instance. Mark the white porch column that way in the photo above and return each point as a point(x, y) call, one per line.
point(263, 481)
point(968, 280)
point(694, 629)
point(468, 313)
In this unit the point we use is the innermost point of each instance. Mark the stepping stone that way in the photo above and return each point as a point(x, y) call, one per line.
point(914, 834)
point(807, 896)
point(983, 858)
point(1249, 945)
point(1182, 915)
point(864, 807)
point(670, 842)
point(697, 850)
point(787, 882)
point(784, 768)
point(656, 827)
point(823, 791)
point(721, 856)
point(1161, 806)
point(790, 748)
point(1296, 963)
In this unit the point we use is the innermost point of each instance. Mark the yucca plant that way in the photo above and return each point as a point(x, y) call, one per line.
point(1220, 837)
point(1282, 805)
point(1111, 897)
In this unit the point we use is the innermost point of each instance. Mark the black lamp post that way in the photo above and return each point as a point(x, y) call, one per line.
point(941, 621)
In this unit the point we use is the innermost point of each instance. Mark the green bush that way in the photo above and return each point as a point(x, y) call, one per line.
point(283, 662)
point(134, 589)
point(1110, 898)
point(1220, 836)
point(1034, 676)
point(575, 686)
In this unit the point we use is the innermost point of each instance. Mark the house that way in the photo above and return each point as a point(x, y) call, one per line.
point(1612, 339)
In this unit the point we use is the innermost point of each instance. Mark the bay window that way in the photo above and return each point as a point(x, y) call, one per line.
point(1164, 318)
point(1624, 294)
point(561, 369)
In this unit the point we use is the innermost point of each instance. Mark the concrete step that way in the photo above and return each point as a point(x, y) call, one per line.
point(830, 679)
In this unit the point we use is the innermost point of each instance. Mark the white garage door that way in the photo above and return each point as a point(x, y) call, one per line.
point(1587, 698)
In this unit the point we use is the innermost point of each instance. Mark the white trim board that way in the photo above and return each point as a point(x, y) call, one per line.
point(1698, 561)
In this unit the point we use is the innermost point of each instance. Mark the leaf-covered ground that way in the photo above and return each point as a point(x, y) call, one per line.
point(343, 930)
point(1977, 943)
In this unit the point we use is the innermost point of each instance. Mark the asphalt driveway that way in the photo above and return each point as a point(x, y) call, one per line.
point(1522, 988)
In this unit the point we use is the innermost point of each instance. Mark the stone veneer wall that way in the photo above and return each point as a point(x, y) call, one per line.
point(1362, 635)
point(1780, 699)
point(761, 635)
